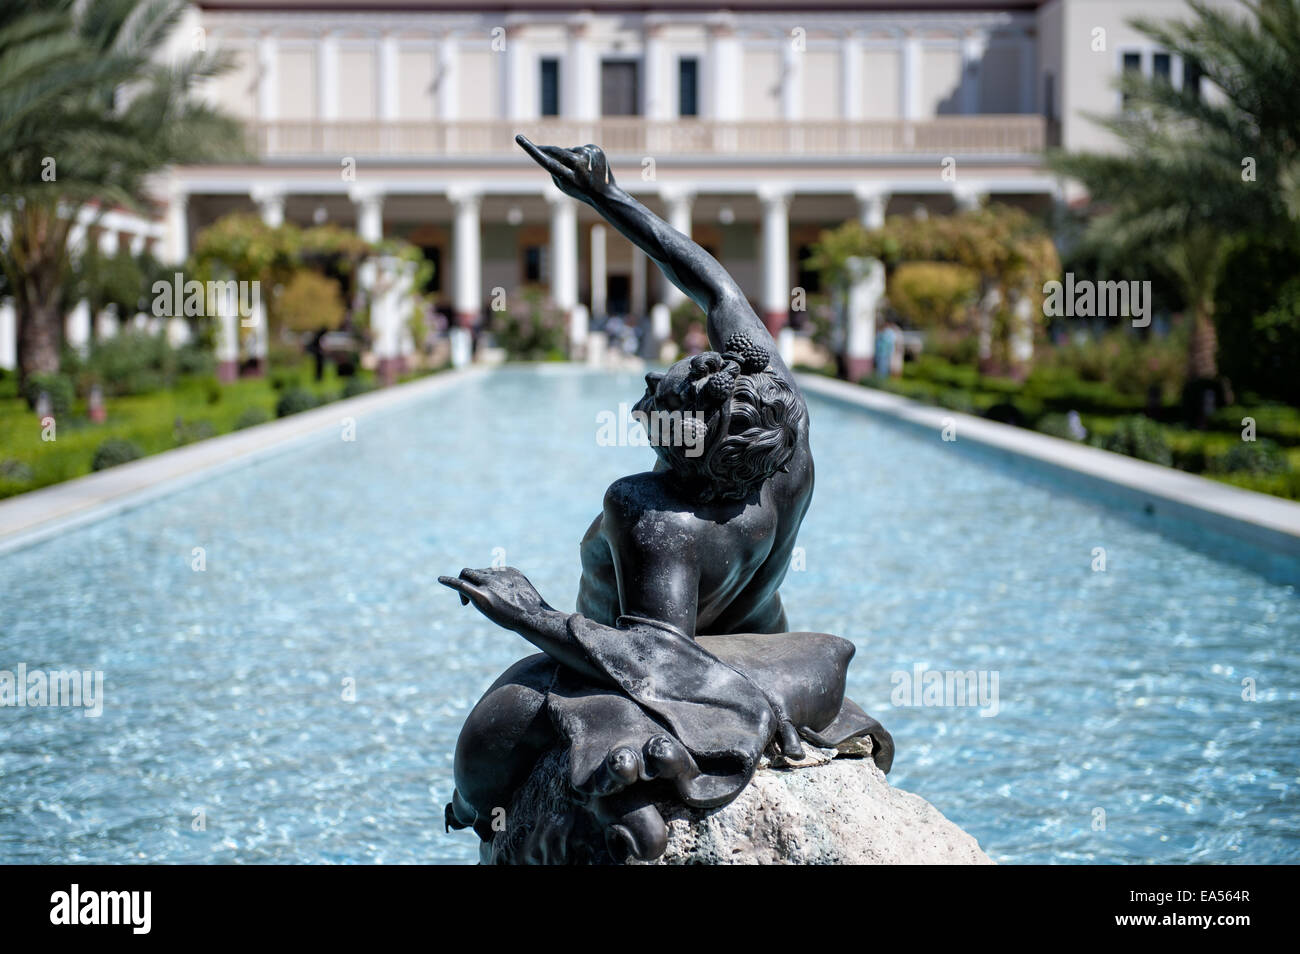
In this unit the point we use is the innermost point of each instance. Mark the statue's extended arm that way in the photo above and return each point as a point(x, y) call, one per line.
point(505, 596)
point(584, 173)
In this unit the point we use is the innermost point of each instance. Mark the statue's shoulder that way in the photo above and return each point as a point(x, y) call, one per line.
point(635, 502)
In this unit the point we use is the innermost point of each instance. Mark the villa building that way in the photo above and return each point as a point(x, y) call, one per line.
point(751, 127)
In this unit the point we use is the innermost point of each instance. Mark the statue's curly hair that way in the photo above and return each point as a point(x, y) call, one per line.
point(762, 429)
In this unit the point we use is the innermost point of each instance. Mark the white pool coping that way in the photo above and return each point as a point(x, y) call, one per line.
point(38, 514)
point(1259, 519)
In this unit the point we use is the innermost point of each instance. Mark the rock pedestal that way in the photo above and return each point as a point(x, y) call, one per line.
point(831, 808)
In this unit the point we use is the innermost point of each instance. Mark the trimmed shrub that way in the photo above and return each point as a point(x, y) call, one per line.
point(1139, 437)
point(132, 362)
point(355, 385)
point(113, 452)
point(1057, 425)
point(195, 359)
point(251, 417)
point(15, 470)
point(187, 432)
point(295, 401)
point(1262, 458)
point(58, 387)
point(1006, 412)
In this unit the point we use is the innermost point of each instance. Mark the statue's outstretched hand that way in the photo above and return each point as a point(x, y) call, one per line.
point(502, 594)
point(582, 172)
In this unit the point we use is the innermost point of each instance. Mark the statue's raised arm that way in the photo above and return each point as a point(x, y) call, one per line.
point(583, 172)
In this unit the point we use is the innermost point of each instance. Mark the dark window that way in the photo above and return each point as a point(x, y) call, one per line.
point(618, 294)
point(618, 88)
point(433, 254)
point(688, 86)
point(1160, 66)
point(1049, 96)
point(1132, 64)
point(550, 87)
point(810, 280)
point(535, 264)
point(1192, 74)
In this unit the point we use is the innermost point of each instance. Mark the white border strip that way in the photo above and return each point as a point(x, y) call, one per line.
point(39, 514)
point(1257, 518)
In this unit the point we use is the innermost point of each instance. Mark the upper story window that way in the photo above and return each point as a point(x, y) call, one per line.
point(1161, 66)
point(1132, 63)
point(1192, 74)
point(619, 92)
point(688, 86)
point(550, 87)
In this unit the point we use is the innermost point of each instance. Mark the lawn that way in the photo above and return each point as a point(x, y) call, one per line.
point(195, 408)
point(1120, 422)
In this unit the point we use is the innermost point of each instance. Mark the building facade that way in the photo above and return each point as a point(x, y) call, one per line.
point(750, 127)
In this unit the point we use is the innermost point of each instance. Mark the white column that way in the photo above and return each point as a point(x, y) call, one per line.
point(469, 266)
point(77, 326)
point(518, 104)
point(370, 213)
point(327, 75)
point(388, 78)
point(109, 242)
point(579, 329)
point(77, 238)
point(580, 82)
point(972, 53)
point(724, 63)
point(679, 217)
point(658, 76)
point(224, 303)
point(8, 335)
point(598, 276)
point(776, 257)
point(259, 344)
point(390, 307)
point(564, 251)
point(270, 202)
point(661, 330)
point(851, 76)
point(791, 80)
point(967, 198)
point(638, 283)
point(909, 80)
point(106, 321)
point(176, 245)
point(268, 87)
point(871, 207)
point(448, 99)
point(866, 288)
point(137, 244)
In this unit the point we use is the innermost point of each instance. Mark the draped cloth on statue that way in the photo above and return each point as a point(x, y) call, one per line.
point(719, 702)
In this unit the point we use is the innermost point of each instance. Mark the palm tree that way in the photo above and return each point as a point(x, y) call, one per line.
point(1203, 168)
point(89, 109)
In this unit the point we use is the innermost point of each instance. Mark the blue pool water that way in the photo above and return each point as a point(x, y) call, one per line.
point(1120, 692)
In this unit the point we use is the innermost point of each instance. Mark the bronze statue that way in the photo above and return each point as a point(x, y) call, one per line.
point(677, 673)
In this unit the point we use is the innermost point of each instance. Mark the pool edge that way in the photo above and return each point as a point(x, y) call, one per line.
point(29, 518)
point(1258, 519)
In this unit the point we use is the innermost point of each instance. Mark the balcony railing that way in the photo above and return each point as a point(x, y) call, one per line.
point(1002, 135)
